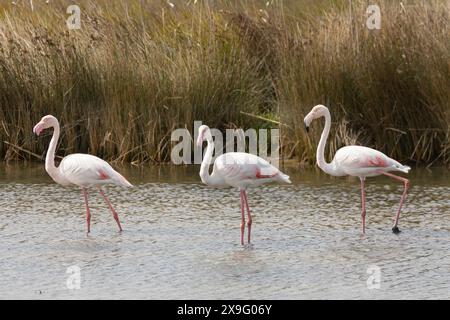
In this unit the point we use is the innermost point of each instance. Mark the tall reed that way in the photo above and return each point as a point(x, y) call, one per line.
point(136, 70)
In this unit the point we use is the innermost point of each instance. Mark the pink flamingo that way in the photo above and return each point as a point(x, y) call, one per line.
point(79, 169)
point(357, 161)
point(236, 169)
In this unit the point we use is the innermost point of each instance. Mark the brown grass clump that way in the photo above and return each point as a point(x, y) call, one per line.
point(136, 70)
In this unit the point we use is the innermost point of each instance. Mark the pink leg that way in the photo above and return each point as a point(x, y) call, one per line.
point(405, 192)
point(116, 217)
point(249, 222)
point(88, 211)
point(363, 205)
point(242, 216)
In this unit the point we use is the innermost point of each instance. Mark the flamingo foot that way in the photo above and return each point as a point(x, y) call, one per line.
point(396, 230)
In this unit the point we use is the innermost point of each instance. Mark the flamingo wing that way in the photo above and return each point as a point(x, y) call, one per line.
point(86, 170)
point(359, 160)
point(236, 167)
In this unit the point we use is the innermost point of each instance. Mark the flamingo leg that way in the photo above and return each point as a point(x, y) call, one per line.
point(363, 204)
point(116, 217)
point(405, 181)
point(88, 211)
point(242, 216)
point(249, 222)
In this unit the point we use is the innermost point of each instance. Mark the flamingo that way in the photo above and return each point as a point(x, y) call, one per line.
point(236, 169)
point(79, 169)
point(357, 161)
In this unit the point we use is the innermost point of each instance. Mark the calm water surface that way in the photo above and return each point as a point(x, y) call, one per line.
point(181, 239)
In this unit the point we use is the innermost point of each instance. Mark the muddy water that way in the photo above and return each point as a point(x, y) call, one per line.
point(181, 239)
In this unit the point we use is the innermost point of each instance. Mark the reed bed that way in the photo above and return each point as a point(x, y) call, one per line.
point(136, 70)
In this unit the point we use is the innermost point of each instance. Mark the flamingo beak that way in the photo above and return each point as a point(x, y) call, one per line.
point(306, 127)
point(38, 128)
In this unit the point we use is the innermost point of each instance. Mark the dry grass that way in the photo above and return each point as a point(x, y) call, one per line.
point(390, 86)
point(139, 69)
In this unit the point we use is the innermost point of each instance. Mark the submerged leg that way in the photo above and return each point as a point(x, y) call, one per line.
point(249, 222)
point(88, 211)
point(405, 181)
point(242, 216)
point(363, 205)
point(116, 217)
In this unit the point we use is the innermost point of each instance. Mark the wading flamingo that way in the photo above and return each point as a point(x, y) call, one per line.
point(79, 169)
point(357, 161)
point(236, 169)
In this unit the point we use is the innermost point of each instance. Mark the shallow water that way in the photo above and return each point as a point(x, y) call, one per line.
point(181, 239)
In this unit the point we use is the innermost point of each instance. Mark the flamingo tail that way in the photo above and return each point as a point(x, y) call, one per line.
point(404, 169)
point(284, 177)
point(121, 181)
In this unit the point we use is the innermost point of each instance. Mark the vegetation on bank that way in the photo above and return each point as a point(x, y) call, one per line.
point(137, 70)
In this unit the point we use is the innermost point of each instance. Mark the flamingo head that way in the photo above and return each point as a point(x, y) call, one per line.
point(316, 112)
point(203, 132)
point(45, 123)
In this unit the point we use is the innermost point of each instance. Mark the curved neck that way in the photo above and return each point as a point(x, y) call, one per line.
point(204, 168)
point(320, 155)
point(50, 157)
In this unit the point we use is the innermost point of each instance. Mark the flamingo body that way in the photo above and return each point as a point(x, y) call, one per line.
point(362, 161)
point(85, 170)
point(79, 169)
point(243, 170)
point(237, 169)
point(357, 161)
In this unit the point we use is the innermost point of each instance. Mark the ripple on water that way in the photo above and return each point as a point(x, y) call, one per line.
point(181, 240)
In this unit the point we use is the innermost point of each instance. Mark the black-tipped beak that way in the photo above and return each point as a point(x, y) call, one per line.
point(306, 127)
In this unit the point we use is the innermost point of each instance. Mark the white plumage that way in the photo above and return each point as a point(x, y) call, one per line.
point(362, 161)
point(85, 170)
point(79, 169)
point(237, 169)
point(243, 170)
point(356, 161)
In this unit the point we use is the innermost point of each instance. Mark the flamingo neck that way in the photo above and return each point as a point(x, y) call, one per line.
point(320, 155)
point(204, 168)
point(50, 167)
